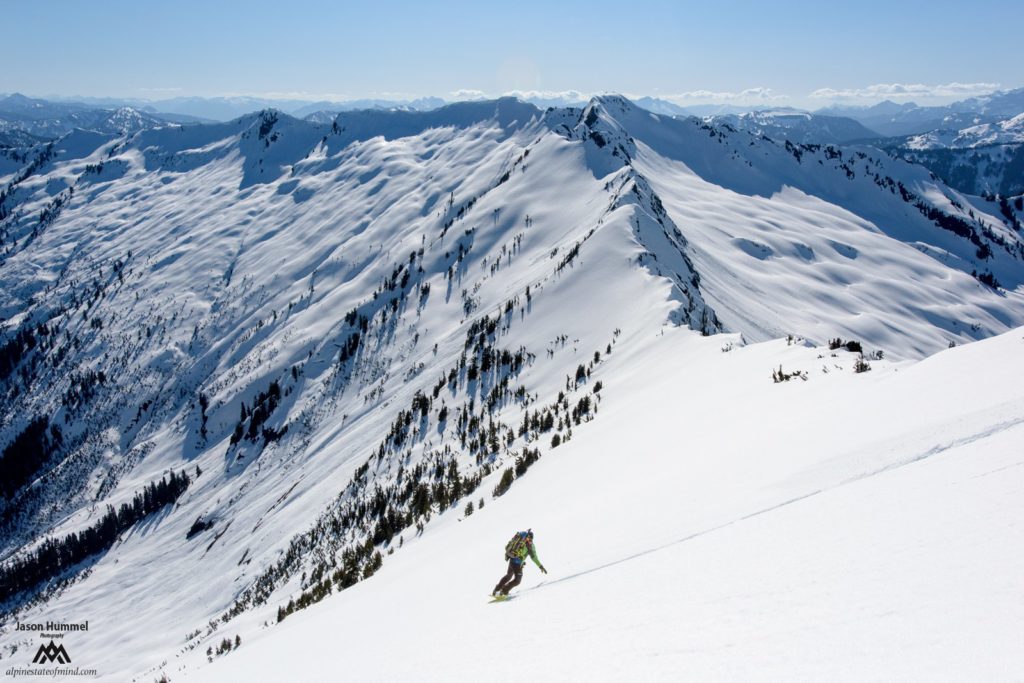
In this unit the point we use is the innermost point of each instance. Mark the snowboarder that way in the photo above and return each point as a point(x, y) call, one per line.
point(516, 551)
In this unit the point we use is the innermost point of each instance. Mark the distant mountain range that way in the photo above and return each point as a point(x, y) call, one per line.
point(892, 119)
point(886, 119)
point(797, 126)
point(979, 152)
point(26, 120)
point(992, 125)
point(1007, 131)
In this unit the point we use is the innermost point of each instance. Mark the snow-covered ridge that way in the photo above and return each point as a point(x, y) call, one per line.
point(45, 120)
point(890, 118)
point(1008, 131)
point(797, 126)
point(347, 331)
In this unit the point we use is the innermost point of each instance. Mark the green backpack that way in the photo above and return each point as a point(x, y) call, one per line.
point(514, 548)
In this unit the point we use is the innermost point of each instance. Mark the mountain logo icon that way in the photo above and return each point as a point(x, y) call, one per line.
point(52, 653)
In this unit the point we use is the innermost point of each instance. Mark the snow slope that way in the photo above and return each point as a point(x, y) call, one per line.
point(849, 527)
point(771, 227)
point(355, 328)
point(1004, 132)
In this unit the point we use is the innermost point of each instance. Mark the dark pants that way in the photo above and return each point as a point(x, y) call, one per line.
point(511, 578)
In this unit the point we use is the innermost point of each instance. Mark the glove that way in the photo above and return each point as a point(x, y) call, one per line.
point(543, 571)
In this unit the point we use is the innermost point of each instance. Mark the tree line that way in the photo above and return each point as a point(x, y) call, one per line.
point(54, 556)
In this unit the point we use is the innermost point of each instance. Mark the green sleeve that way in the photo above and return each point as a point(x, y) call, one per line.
point(533, 555)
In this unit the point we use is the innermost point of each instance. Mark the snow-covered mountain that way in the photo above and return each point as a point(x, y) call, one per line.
point(714, 523)
point(267, 359)
point(892, 119)
point(18, 105)
point(18, 139)
point(985, 159)
point(987, 171)
point(418, 104)
point(797, 126)
point(1003, 132)
point(1001, 104)
point(43, 119)
point(661, 107)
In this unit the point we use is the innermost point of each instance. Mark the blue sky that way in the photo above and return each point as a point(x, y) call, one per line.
point(803, 53)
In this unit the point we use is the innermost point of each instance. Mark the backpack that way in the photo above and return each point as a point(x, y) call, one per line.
point(513, 547)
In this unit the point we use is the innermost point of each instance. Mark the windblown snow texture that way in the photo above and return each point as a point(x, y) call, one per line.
point(343, 333)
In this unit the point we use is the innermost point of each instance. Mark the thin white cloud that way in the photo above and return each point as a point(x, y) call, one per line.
point(758, 94)
point(544, 95)
point(305, 95)
point(281, 95)
point(468, 94)
point(904, 91)
point(556, 95)
point(391, 95)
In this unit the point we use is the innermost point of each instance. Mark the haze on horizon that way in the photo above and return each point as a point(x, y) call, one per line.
point(799, 54)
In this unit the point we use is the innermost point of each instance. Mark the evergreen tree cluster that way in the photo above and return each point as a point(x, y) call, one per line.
point(27, 453)
point(357, 564)
point(525, 459)
point(435, 484)
point(41, 159)
point(523, 462)
point(359, 318)
point(55, 556)
point(263, 407)
point(956, 225)
point(19, 346)
point(1007, 211)
point(974, 173)
point(952, 223)
point(571, 255)
point(82, 387)
point(851, 346)
point(52, 210)
point(267, 120)
point(378, 516)
point(458, 215)
point(223, 647)
point(342, 547)
point(505, 483)
point(781, 376)
point(986, 278)
point(198, 527)
point(204, 405)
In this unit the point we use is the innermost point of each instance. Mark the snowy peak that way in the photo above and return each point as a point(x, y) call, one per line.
point(50, 120)
point(1002, 104)
point(665, 252)
point(603, 122)
point(33, 108)
point(129, 120)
